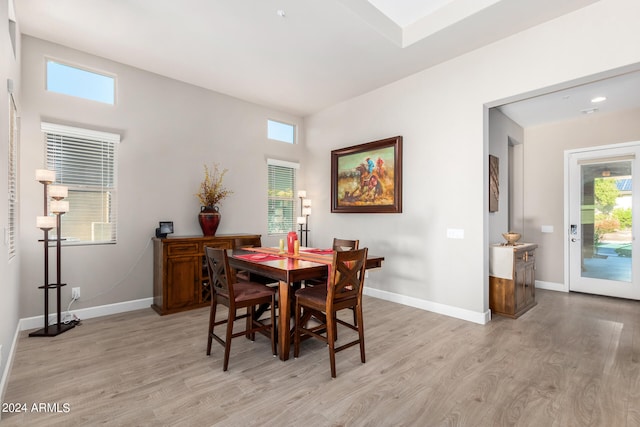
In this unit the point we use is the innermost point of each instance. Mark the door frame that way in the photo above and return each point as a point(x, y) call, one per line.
point(567, 202)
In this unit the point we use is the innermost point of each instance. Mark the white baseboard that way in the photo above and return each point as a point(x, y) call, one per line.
point(88, 313)
point(551, 286)
point(7, 368)
point(447, 310)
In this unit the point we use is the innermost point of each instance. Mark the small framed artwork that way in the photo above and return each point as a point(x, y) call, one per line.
point(494, 187)
point(367, 178)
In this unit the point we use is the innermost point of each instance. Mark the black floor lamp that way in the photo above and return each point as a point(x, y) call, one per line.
point(46, 223)
point(303, 219)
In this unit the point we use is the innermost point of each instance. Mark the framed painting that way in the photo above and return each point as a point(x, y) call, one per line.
point(494, 183)
point(367, 178)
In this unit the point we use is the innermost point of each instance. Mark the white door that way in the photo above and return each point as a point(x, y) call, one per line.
point(602, 206)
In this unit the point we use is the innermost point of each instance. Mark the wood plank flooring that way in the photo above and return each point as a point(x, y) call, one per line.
point(573, 360)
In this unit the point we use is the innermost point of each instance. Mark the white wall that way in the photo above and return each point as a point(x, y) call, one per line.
point(169, 130)
point(9, 270)
point(441, 114)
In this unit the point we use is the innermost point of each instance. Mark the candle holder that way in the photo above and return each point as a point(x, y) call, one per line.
point(46, 223)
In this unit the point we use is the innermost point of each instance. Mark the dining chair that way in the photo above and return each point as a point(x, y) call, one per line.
point(344, 291)
point(338, 245)
point(226, 290)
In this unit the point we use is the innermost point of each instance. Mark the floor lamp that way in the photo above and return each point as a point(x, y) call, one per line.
point(303, 219)
point(46, 223)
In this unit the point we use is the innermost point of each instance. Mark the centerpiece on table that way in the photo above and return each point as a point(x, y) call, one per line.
point(212, 192)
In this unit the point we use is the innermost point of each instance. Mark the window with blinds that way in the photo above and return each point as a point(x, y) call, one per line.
point(86, 162)
point(13, 177)
point(281, 201)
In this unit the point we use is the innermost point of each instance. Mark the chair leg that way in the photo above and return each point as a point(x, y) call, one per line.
point(331, 327)
point(296, 331)
point(360, 331)
point(274, 347)
point(212, 321)
point(251, 312)
point(227, 343)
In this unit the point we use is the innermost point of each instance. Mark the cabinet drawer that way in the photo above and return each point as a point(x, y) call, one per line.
point(183, 249)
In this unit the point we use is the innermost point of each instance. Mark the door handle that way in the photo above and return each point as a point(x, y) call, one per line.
point(573, 239)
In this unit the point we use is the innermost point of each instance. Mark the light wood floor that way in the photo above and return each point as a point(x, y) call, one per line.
point(573, 360)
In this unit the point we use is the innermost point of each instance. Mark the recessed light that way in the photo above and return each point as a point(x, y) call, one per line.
point(589, 110)
point(281, 13)
point(598, 99)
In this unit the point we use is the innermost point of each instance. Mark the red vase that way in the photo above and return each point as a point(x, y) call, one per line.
point(209, 219)
point(291, 241)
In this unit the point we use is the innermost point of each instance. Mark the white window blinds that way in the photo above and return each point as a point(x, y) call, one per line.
point(86, 162)
point(12, 178)
point(281, 202)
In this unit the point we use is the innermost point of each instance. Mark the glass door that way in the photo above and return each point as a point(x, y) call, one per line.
point(602, 205)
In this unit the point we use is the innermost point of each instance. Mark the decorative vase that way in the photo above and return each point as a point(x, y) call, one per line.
point(292, 237)
point(209, 219)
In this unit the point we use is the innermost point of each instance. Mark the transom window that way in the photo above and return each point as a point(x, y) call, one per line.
point(281, 131)
point(74, 81)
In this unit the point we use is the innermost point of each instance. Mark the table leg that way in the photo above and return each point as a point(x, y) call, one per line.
point(284, 340)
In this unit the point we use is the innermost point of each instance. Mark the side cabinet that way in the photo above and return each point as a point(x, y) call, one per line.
point(180, 278)
point(512, 288)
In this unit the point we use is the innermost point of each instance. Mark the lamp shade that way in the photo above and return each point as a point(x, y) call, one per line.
point(45, 175)
point(59, 206)
point(306, 211)
point(302, 194)
point(301, 220)
point(306, 202)
point(58, 191)
point(46, 222)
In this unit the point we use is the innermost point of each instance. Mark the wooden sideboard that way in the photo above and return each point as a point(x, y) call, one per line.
point(512, 279)
point(180, 278)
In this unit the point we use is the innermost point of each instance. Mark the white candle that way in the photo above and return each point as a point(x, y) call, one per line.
point(301, 220)
point(46, 222)
point(302, 194)
point(59, 206)
point(45, 175)
point(58, 191)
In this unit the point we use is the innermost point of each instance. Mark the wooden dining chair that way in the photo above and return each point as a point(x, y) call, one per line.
point(226, 290)
point(338, 245)
point(343, 292)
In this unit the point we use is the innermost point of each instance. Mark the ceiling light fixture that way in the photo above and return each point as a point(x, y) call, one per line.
point(589, 110)
point(598, 99)
point(281, 13)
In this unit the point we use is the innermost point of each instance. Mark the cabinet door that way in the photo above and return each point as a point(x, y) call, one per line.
point(183, 273)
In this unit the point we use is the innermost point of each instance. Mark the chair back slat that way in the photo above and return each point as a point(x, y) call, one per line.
point(345, 244)
point(347, 278)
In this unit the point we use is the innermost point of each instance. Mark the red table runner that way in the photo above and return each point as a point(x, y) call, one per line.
point(259, 257)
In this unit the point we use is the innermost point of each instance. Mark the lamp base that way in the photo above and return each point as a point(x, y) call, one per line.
point(53, 330)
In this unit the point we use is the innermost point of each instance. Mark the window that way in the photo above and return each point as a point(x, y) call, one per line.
point(281, 202)
point(12, 179)
point(85, 84)
point(86, 162)
point(280, 131)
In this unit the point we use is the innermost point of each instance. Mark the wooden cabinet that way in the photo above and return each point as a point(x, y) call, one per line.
point(512, 289)
point(180, 278)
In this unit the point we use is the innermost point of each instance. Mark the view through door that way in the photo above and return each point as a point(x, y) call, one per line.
point(601, 206)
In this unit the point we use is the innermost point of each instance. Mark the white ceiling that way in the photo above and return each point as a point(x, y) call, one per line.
point(318, 54)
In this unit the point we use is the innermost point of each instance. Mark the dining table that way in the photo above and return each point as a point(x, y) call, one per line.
point(289, 270)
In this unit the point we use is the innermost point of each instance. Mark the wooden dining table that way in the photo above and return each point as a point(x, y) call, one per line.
point(287, 270)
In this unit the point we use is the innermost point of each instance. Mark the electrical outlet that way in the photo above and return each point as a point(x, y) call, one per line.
point(75, 293)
